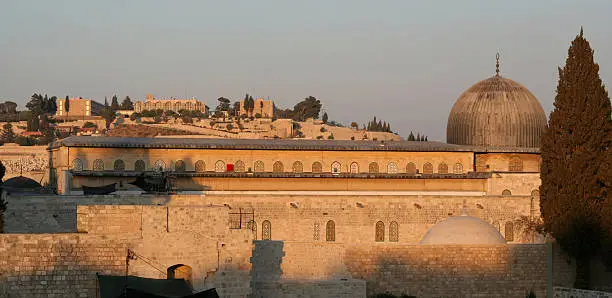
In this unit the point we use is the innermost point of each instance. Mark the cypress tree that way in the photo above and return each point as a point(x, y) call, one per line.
point(576, 161)
point(411, 136)
point(67, 104)
point(325, 117)
point(114, 103)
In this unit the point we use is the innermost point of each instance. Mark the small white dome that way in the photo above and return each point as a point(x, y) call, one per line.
point(463, 230)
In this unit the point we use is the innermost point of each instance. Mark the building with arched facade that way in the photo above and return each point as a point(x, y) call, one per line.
point(169, 104)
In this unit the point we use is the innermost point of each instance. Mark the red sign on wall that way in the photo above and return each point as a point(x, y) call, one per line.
point(230, 167)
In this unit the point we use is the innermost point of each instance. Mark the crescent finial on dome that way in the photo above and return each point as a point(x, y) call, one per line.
point(497, 64)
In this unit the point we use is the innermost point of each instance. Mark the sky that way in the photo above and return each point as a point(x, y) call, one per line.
point(405, 62)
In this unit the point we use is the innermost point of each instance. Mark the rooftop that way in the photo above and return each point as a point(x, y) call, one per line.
point(275, 144)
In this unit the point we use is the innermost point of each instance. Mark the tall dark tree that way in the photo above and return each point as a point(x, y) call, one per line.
point(114, 103)
point(310, 107)
point(35, 105)
point(127, 104)
point(411, 137)
point(576, 167)
point(325, 117)
point(67, 104)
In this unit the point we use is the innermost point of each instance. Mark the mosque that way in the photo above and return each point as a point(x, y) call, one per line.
point(315, 218)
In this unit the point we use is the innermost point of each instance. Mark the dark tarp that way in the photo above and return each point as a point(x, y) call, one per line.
point(138, 287)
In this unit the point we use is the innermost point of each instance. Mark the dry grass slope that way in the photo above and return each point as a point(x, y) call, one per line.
point(136, 130)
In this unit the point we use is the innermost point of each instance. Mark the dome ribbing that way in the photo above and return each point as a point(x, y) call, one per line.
point(496, 112)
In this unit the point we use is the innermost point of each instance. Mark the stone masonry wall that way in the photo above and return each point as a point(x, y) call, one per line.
point(160, 236)
point(60, 265)
point(418, 270)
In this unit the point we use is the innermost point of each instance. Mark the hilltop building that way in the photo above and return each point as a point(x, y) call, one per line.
point(262, 107)
point(169, 104)
point(78, 108)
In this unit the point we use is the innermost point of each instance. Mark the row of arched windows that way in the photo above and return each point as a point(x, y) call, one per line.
point(277, 167)
point(330, 231)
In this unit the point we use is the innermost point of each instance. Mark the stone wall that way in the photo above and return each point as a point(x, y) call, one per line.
point(418, 270)
point(60, 265)
point(160, 236)
point(354, 214)
point(561, 292)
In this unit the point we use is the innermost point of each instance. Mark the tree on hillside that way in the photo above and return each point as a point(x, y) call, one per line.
point(236, 109)
point(114, 103)
point(310, 107)
point(35, 105)
point(224, 104)
point(107, 113)
point(67, 104)
point(127, 104)
point(411, 136)
point(8, 135)
point(325, 117)
point(576, 169)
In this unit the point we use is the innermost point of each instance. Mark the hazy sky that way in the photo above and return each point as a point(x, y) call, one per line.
point(403, 61)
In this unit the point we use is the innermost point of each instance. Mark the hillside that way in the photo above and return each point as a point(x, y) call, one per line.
point(139, 130)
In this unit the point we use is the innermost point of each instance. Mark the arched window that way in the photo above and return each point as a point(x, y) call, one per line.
point(220, 166)
point(316, 231)
point(442, 168)
point(330, 231)
point(179, 166)
point(427, 168)
point(298, 167)
point(140, 166)
point(98, 165)
point(252, 225)
point(77, 164)
point(411, 168)
point(506, 192)
point(317, 167)
point(258, 166)
point(509, 231)
point(354, 168)
point(200, 166)
point(392, 168)
point(239, 166)
point(119, 165)
point(458, 169)
point(393, 231)
point(159, 165)
point(180, 271)
point(481, 163)
point(380, 231)
point(266, 230)
point(336, 167)
point(373, 167)
point(278, 167)
point(515, 164)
